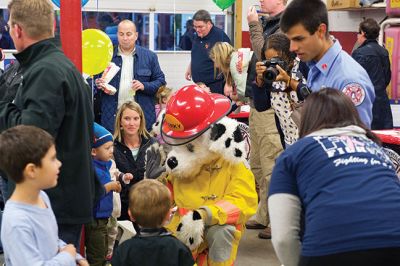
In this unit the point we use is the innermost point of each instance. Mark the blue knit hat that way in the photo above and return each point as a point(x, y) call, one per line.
point(101, 136)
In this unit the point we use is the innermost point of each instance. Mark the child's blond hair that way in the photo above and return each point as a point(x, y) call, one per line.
point(149, 203)
point(163, 93)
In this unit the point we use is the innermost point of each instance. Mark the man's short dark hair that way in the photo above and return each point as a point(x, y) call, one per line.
point(370, 27)
point(202, 15)
point(309, 13)
point(20, 146)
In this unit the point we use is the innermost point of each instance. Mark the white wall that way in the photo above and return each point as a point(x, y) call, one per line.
point(174, 67)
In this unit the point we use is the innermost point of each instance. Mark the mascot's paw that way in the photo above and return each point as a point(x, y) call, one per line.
point(154, 161)
point(227, 139)
point(190, 230)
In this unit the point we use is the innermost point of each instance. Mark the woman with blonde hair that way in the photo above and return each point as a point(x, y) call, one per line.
point(131, 141)
point(233, 64)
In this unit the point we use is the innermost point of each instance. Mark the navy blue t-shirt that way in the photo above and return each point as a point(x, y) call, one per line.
point(201, 65)
point(349, 192)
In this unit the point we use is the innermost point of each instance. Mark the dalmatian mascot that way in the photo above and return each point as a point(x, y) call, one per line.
point(207, 173)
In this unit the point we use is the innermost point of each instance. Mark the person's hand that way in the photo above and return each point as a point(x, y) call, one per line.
point(116, 186)
point(205, 88)
point(83, 263)
point(228, 90)
point(260, 69)
point(283, 75)
point(234, 97)
point(188, 74)
point(252, 14)
point(100, 83)
point(137, 85)
point(69, 249)
point(127, 178)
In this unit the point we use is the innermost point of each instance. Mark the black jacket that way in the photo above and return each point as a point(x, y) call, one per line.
point(54, 97)
point(127, 164)
point(156, 247)
point(9, 82)
point(375, 60)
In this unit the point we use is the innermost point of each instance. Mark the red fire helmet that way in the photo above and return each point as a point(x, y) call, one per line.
point(191, 111)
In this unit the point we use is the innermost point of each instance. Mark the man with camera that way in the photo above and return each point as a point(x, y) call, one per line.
point(265, 140)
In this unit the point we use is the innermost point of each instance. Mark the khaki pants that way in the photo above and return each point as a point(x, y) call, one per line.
point(265, 148)
point(112, 232)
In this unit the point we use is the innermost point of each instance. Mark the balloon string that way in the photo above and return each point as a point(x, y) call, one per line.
point(97, 10)
point(92, 76)
point(175, 25)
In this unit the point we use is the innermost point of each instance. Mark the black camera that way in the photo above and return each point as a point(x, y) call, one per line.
point(271, 72)
point(304, 90)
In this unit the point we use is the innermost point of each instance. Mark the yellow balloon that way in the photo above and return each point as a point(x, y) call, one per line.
point(97, 51)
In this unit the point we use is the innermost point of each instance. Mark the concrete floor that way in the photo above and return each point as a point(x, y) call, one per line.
point(254, 251)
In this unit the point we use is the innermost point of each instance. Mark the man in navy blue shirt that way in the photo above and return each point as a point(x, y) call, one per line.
point(201, 67)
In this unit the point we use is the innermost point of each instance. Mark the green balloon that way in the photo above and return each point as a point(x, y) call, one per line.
point(224, 4)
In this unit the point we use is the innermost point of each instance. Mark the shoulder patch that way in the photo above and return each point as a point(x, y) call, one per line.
point(356, 93)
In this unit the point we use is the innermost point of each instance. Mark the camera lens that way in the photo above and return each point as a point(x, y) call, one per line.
point(270, 74)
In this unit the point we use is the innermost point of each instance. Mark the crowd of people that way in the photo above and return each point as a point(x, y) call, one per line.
point(327, 192)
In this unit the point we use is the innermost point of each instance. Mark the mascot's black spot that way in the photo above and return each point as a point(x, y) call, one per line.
point(238, 153)
point(157, 123)
point(228, 142)
point(190, 147)
point(237, 135)
point(179, 227)
point(217, 131)
point(172, 162)
point(196, 216)
point(191, 240)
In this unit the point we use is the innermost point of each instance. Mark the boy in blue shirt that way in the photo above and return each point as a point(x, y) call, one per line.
point(29, 231)
point(96, 232)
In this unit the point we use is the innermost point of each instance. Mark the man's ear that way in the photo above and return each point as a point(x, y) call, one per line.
point(167, 216)
point(93, 152)
point(29, 171)
point(17, 30)
point(130, 215)
point(322, 30)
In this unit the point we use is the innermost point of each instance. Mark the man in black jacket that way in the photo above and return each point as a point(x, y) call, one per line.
point(375, 60)
point(54, 97)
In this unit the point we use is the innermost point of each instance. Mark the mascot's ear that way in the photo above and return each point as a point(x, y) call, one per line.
point(156, 128)
point(227, 139)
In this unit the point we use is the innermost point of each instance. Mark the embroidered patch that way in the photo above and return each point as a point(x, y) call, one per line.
point(356, 93)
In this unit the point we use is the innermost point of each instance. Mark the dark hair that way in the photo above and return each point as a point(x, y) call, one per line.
point(20, 146)
point(189, 23)
point(370, 27)
point(309, 13)
point(330, 108)
point(280, 43)
point(202, 15)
